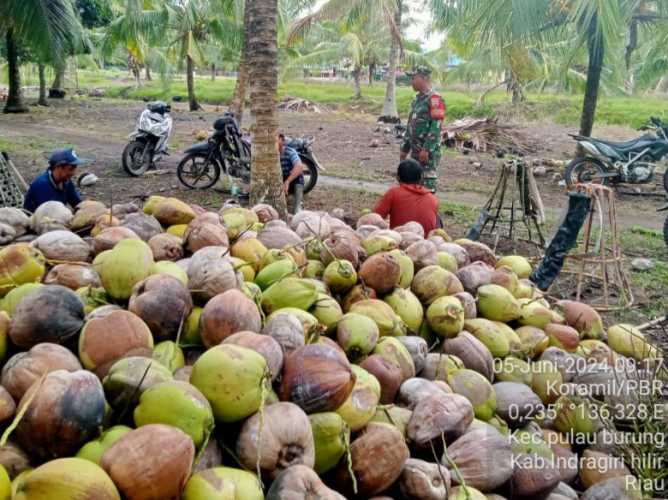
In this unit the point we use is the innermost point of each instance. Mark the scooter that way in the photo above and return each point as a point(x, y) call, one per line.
point(148, 142)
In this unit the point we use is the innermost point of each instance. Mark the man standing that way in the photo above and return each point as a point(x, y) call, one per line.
point(55, 184)
point(292, 168)
point(423, 133)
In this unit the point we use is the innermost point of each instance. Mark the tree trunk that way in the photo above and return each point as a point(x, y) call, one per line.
point(241, 86)
point(213, 72)
point(662, 86)
point(137, 73)
point(190, 78)
point(57, 90)
point(630, 48)
point(14, 102)
point(266, 177)
point(42, 85)
point(390, 113)
point(148, 73)
point(357, 74)
point(596, 52)
point(372, 67)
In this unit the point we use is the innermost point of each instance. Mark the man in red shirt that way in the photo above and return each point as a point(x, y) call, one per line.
point(410, 201)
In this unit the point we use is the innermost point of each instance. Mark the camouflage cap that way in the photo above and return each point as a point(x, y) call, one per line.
point(421, 71)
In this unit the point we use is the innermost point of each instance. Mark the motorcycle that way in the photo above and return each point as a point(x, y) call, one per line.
point(632, 162)
point(228, 151)
point(148, 142)
point(665, 223)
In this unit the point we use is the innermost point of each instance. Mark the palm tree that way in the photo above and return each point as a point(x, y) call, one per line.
point(266, 185)
point(46, 27)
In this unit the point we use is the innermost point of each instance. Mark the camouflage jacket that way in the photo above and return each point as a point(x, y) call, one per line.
point(424, 124)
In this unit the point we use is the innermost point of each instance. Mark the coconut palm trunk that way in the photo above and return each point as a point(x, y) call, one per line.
point(213, 72)
point(357, 75)
point(390, 113)
point(41, 69)
point(266, 177)
point(14, 102)
point(241, 85)
point(57, 90)
point(148, 73)
point(190, 79)
point(596, 51)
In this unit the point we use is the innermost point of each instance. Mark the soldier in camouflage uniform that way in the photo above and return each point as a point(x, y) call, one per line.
point(423, 133)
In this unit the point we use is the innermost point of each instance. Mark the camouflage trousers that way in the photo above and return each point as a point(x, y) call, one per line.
point(430, 170)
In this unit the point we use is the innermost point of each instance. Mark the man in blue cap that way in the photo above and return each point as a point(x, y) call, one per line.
point(55, 184)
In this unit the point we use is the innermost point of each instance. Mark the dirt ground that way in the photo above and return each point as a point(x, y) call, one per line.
point(357, 154)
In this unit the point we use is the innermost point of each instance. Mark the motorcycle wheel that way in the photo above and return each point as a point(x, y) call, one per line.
point(585, 171)
point(196, 171)
point(310, 174)
point(665, 181)
point(133, 158)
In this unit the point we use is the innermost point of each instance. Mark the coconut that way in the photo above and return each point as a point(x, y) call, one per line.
point(619, 488)
point(220, 482)
point(564, 361)
point(62, 245)
point(164, 476)
point(64, 412)
point(407, 306)
point(13, 460)
point(394, 415)
point(533, 313)
point(581, 317)
point(378, 457)
point(380, 272)
point(474, 276)
point(439, 415)
point(95, 301)
point(372, 219)
point(330, 435)
point(286, 329)
point(7, 234)
point(171, 211)
point(533, 340)
point(629, 341)
point(7, 406)
point(424, 480)
point(497, 303)
point(237, 220)
point(512, 369)
point(357, 335)
point(546, 381)
point(169, 355)
point(467, 493)
point(264, 212)
point(576, 415)
point(73, 276)
point(308, 223)
point(357, 294)
point(169, 268)
point(190, 335)
point(446, 316)
point(278, 236)
point(201, 234)
point(93, 450)
point(15, 219)
point(439, 366)
point(476, 389)
point(20, 263)
point(326, 310)
point(289, 292)
point(102, 222)
point(250, 250)
point(314, 269)
point(271, 273)
point(211, 273)
point(143, 225)
point(423, 254)
point(468, 303)
point(562, 336)
point(432, 282)
point(597, 351)
point(406, 267)
point(123, 267)
point(517, 263)
point(535, 475)
point(360, 406)
point(179, 405)
point(473, 353)
point(339, 276)
point(389, 323)
point(246, 269)
point(483, 459)
point(299, 481)
point(66, 478)
point(417, 348)
point(457, 251)
point(388, 374)
point(447, 261)
point(10, 301)
point(151, 202)
point(51, 313)
point(414, 390)
point(231, 378)
point(165, 246)
point(51, 216)
point(129, 377)
point(489, 334)
point(394, 351)
point(264, 345)
point(477, 251)
point(109, 237)
point(131, 337)
point(516, 403)
point(505, 277)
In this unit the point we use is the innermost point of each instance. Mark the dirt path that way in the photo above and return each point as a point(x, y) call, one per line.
point(357, 153)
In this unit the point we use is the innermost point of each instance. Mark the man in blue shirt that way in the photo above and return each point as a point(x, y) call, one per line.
point(292, 168)
point(55, 184)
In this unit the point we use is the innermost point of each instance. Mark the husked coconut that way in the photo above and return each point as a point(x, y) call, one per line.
point(61, 245)
point(166, 246)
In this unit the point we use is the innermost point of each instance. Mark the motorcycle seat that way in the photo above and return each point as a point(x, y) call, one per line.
point(622, 147)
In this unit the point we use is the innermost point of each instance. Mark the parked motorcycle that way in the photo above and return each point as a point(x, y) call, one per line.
point(633, 162)
point(228, 152)
point(148, 142)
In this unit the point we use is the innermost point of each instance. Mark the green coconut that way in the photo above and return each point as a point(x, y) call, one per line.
point(11, 300)
point(20, 263)
point(340, 276)
point(575, 415)
point(327, 310)
point(289, 292)
point(489, 334)
point(628, 341)
point(313, 249)
point(446, 316)
point(407, 268)
point(360, 406)
point(514, 341)
point(314, 269)
point(151, 202)
point(533, 340)
point(465, 493)
point(249, 250)
point(128, 263)
point(275, 255)
point(65, 479)
point(169, 354)
point(407, 306)
point(546, 381)
point(245, 268)
point(93, 450)
point(129, 377)
point(5, 484)
point(379, 243)
point(170, 268)
point(476, 389)
point(223, 483)
point(238, 220)
point(432, 282)
point(274, 272)
point(512, 369)
point(534, 313)
point(231, 378)
point(439, 366)
point(330, 435)
point(396, 353)
point(252, 291)
point(357, 335)
point(447, 261)
point(497, 303)
point(520, 265)
point(178, 230)
point(394, 415)
point(524, 290)
point(178, 404)
point(92, 298)
point(190, 335)
point(389, 323)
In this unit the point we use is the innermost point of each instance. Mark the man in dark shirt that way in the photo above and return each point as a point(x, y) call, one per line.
point(55, 184)
point(292, 168)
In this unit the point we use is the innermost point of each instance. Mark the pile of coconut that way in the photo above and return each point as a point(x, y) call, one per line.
point(169, 352)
